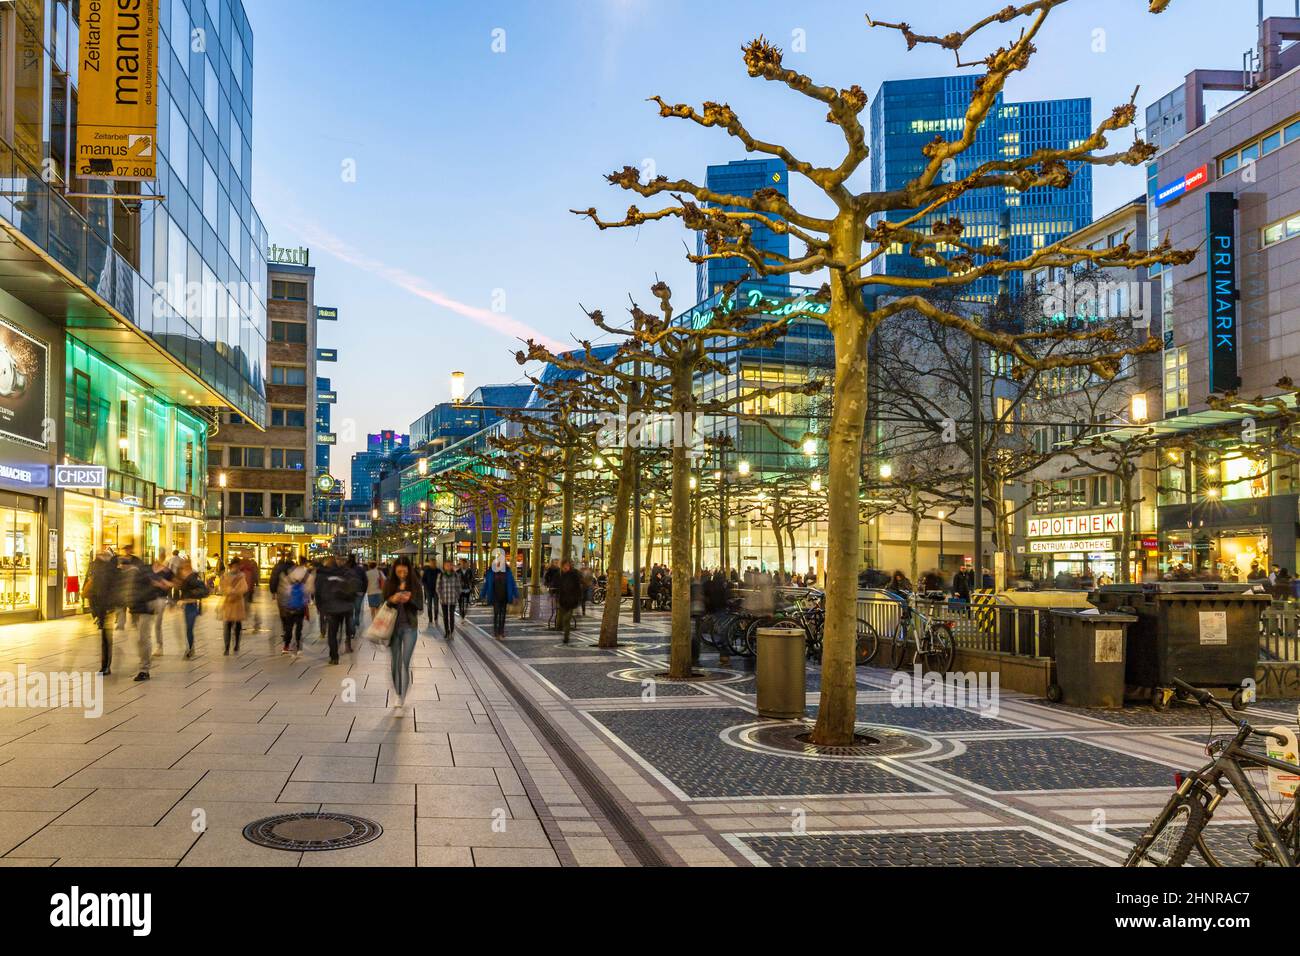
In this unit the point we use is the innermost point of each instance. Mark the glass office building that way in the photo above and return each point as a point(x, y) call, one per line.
point(743, 177)
point(140, 308)
point(908, 114)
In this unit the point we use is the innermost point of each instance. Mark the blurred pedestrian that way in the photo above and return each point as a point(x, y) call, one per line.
point(104, 596)
point(402, 593)
point(293, 597)
point(429, 581)
point(568, 595)
point(448, 589)
point(190, 591)
point(336, 590)
point(234, 607)
point(499, 590)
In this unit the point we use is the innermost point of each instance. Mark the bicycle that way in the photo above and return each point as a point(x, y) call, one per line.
point(1180, 826)
point(930, 642)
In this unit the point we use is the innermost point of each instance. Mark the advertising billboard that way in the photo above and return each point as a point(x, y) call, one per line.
point(117, 105)
point(24, 387)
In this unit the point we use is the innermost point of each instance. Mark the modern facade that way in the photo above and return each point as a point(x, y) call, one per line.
point(743, 177)
point(1228, 185)
point(368, 465)
point(269, 474)
point(907, 114)
point(126, 322)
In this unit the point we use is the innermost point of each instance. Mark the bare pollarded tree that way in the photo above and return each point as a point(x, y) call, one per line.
point(856, 233)
point(665, 355)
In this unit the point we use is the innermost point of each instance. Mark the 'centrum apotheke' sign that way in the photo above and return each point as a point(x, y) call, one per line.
point(1058, 545)
point(1102, 523)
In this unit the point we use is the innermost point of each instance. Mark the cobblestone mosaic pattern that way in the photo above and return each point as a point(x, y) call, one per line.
point(1052, 764)
point(586, 681)
point(934, 719)
point(551, 647)
point(950, 848)
point(685, 747)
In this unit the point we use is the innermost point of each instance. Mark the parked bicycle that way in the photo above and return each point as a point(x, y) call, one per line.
point(928, 642)
point(1180, 827)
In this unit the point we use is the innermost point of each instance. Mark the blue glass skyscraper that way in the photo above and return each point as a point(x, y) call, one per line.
point(743, 177)
point(908, 114)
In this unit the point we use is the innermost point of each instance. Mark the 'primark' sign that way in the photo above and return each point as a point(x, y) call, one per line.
point(1221, 289)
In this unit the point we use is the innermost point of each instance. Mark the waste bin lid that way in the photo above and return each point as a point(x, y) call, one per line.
point(1112, 617)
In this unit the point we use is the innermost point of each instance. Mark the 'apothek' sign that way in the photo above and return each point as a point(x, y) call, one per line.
point(1102, 523)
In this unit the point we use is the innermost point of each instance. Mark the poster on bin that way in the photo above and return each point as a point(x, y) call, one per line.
point(24, 387)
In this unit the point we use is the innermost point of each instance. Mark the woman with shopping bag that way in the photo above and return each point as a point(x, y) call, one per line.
point(404, 596)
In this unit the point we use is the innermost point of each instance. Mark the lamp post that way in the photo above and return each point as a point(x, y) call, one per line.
point(942, 515)
point(423, 468)
point(221, 558)
point(374, 532)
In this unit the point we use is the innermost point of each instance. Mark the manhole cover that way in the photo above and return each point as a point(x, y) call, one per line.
point(312, 831)
point(794, 739)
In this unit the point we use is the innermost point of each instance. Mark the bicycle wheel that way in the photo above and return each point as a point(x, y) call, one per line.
point(1172, 837)
point(939, 649)
point(736, 636)
point(868, 643)
point(751, 634)
point(900, 648)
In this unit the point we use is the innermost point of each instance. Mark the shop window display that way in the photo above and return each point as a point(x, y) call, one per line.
point(19, 545)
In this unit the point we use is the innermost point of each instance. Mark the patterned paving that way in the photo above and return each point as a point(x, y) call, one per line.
point(686, 747)
point(1053, 764)
point(947, 848)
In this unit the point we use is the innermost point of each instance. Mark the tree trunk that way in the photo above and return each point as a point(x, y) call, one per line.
point(697, 498)
point(780, 545)
point(679, 661)
point(535, 577)
point(513, 504)
point(837, 714)
point(566, 520)
point(478, 533)
point(1125, 519)
point(617, 546)
point(649, 544)
point(916, 533)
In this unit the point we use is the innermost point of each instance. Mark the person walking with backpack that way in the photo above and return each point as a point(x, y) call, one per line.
point(190, 591)
point(336, 589)
point(403, 593)
point(499, 590)
point(293, 596)
point(449, 591)
point(234, 587)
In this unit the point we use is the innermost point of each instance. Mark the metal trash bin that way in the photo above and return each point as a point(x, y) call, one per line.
point(782, 688)
point(1204, 633)
point(1089, 657)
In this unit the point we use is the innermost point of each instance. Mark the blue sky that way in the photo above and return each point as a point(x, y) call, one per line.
point(453, 237)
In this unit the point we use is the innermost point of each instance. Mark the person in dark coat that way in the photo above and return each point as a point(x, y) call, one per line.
point(336, 594)
point(568, 595)
point(105, 597)
point(429, 581)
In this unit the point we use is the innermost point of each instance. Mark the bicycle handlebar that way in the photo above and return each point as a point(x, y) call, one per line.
point(1208, 700)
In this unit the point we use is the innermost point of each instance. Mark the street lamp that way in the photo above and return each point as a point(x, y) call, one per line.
point(816, 484)
point(221, 558)
point(374, 532)
point(886, 471)
point(742, 467)
point(457, 387)
point(810, 446)
point(1138, 408)
point(942, 515)
point(424, 528)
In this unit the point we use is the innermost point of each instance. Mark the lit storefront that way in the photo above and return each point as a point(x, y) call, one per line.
point(1074, 545)
point(125, 450)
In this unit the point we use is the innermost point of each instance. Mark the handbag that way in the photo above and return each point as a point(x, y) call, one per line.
point(381, 625)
